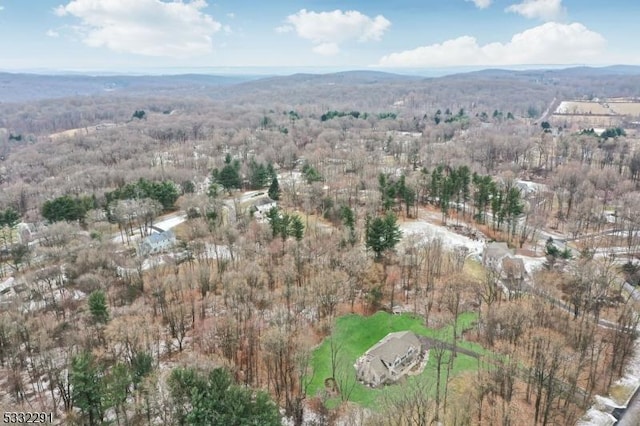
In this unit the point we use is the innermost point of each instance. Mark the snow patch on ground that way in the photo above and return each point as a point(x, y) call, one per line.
point(449, 238)
point(631, 376)
point(290, 177)
point(165, 224)
point(630, 380)
point(603, 402)
point(532, 264)
point(528, 186)
point(597, 418)
point(171, 222)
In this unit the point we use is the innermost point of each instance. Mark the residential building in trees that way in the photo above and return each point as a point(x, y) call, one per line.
point(390, 359)
point(157, 243)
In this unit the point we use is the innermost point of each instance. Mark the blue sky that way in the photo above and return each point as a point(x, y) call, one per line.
point(133, 35)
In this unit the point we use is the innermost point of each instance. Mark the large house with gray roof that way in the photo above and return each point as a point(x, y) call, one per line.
point(157, 243)
point(390, 359)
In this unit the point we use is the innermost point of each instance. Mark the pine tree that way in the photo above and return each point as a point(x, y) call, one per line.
point(88, 388)
point(297, 228)
point(215, 400)
point(274, 189)
point(98, 307)
point(382, 233)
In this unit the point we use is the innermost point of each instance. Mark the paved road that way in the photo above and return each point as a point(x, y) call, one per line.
point(631, 416)
point(548, 111)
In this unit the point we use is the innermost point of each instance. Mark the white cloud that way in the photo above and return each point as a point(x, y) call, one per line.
point(548, 10)
point(328, 29)
point(52, 34)
point(145, 27)
point(549, 43)
point(284, 29)
point(481, 4)
point(327, 49)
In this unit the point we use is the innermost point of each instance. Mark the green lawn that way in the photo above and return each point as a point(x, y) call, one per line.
point(354, 334)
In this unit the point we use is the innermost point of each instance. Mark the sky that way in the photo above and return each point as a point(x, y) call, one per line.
point(394, 35)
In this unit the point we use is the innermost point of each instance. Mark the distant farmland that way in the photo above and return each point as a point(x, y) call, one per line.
point(611, 112)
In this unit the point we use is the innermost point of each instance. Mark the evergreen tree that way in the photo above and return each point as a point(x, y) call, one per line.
point(311, 174)
point(497, 207)
point(349, 219)
point(275, 221)
point(436, 182)
point(98, 307)
point(166, 193)
point(406, 193)
point(484, 187)
point(297, 228)
point(87, 386)
point(188, 187)
point(259, 175)
point(464, 192)
point(274, 189)
point(8, 221)
point(116, 388)
point(382, 233)
point(67, 208)
point(139, 114)
point(9, 218)
point(141, 366)
point(217, 401)
point(229, 178)
point(512, 207)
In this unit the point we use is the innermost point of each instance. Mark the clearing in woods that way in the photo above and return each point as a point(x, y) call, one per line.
point(354, 334)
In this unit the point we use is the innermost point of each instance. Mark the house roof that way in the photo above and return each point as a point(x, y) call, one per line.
point(160, 237)
point(263, 202)
point(496, 250)
point(513, 265)
point(394, 345)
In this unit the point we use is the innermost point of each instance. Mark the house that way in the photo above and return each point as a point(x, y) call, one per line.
point(389, 359)
point(494, 253)
point(510, 269)
point(512, 275)
point(261, 207)
point(513, 268)
point(156, 243)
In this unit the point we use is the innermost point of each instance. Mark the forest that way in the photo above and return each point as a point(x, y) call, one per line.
point(295, 221)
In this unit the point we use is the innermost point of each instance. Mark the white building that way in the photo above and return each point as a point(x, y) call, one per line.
point(156, 243)
point(261, 208)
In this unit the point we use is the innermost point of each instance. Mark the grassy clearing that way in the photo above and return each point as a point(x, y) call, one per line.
point(354, 334)
point(475, 270)
point(182, 231)
point(620, 393)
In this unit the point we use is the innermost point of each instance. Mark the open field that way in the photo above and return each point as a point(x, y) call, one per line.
point(614, 108)
point(81, 131)
point(626, 108)
point(355, 334)
point(584, 108)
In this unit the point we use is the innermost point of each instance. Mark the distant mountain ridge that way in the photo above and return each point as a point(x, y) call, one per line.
point(569, 71)
point(28, 87)
point(24, 87)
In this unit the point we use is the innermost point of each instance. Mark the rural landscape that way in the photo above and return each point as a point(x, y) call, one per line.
point(353, 248)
